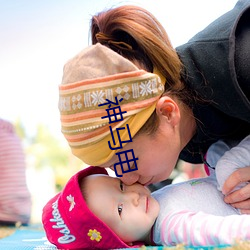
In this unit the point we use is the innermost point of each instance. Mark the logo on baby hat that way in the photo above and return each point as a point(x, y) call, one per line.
point(71, 201)
point(66, 237)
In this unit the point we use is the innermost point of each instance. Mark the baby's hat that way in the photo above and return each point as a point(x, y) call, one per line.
point(69, 223)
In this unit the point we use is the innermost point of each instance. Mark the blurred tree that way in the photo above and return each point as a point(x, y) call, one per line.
point(45, 150)
point(20, 130)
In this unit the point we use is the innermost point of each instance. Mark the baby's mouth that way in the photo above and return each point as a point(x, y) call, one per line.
point(147, 203)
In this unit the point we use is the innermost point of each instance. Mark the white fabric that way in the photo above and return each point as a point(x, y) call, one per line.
point(194, 212)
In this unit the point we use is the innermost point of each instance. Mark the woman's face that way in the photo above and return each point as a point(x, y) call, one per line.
point(157, 156)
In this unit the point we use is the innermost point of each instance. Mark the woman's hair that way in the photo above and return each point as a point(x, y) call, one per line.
point(84, 191)
point(137, 35)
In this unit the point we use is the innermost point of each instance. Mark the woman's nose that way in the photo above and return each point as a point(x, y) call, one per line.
point(130, 178)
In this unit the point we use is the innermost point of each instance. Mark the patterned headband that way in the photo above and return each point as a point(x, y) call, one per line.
point(98, 81)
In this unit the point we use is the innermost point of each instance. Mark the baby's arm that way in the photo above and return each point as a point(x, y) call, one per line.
point(201, 229)
point(214, 153)
point(237, 157)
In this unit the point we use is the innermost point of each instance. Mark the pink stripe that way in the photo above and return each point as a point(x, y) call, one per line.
point(172, 219)
point(178, 220)
point(170, 223)
point(203, 232)
point(210, 240)
point(218, 230)
point(192, 234)
point(125, 75)
point(6, 126)
point(185, 234)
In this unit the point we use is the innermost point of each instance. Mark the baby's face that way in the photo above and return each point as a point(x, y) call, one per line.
point(130, 211)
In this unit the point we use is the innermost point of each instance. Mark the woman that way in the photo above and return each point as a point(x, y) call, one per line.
point(206, 96)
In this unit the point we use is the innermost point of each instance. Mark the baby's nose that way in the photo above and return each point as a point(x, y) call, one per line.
point(133, 197)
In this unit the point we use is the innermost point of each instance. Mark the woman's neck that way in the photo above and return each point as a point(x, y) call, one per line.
point(187, 125)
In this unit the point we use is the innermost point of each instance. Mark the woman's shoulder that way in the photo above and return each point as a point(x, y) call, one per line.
point(209, 65)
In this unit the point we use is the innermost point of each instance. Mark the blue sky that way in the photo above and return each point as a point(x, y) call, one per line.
point(38, 37)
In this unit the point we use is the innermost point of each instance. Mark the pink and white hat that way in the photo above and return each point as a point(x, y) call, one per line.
point(69, 223)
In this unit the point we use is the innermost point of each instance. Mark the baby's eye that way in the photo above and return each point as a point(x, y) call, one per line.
point(120, 206)
point(121, 185)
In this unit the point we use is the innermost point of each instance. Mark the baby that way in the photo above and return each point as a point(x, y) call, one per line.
point(96, 211)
